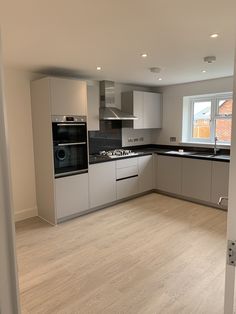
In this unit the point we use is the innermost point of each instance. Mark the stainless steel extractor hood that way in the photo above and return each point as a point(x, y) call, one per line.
point(108, 111)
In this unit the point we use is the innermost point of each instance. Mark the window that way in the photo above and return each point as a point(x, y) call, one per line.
point(208, 117)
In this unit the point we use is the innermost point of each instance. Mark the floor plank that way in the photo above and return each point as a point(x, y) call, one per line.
point(153, 254)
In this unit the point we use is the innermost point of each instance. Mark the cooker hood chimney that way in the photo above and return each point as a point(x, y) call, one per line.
point(108, 111)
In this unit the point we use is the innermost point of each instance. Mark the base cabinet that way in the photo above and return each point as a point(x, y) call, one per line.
point(71, 195)
point(196, 179)
point(169, 174)
point(127, 187)
point(102, 183)
point(220, 181)
point(145, 172)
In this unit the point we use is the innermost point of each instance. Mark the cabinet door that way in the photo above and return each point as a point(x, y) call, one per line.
point(196, 179)
point(145, 172)
point(220, 180)
point(138, 109)
point(68, 97)
point(152, 110)
point(93, 105)
point(71, 195)
point(127, 187)
point(102, 183)
point(169, 172)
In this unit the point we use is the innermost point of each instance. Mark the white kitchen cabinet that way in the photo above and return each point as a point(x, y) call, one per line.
point(68, 96)
point(196, 179)
point(169, 174)
point(220, 181)
point(93, 95)
point(146, 106)
point(71, 195)
point(145, 173)
point(127, 187)
point(126, 177)
point(102, 183)
point(151, 110)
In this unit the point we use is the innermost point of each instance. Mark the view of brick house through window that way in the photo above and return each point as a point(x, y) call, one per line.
point(202, 111)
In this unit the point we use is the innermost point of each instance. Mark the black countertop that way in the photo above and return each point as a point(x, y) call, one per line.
point(170, 151)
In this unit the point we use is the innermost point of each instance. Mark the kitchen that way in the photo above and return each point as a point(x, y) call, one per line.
point(110, 160)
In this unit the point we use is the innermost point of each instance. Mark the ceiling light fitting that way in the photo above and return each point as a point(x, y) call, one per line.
point(155, 70)
point(144, 55)
point(99, 68)
point(214, 35)
point(209, 59)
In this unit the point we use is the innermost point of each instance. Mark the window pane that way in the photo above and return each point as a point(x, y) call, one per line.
point(223, 130)
point(201, 119)
point(225, 106)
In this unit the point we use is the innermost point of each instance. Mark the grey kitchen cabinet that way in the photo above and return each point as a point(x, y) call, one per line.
point(146, 106)
point(145, 173)
point(220, 180)
point(93, 95)
point(169, 174)
point(127, 177)
point(68, 96)
point(196, 179)
point(102, 183)
point(71, 195)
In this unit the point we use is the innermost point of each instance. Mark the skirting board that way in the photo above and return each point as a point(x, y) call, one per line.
point(26, 213)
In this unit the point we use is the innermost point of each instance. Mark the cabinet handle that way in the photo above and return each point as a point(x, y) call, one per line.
point(221, 199)
point(71, 144)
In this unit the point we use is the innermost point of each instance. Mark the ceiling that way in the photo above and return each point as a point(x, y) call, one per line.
point(76, 36)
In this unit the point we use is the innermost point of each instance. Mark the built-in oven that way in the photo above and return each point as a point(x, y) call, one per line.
point(69, 145)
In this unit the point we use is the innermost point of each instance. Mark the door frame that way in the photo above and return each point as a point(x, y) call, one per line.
point(229, 301)
point(9, 292)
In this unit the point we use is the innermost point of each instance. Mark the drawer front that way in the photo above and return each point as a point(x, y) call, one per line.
point(126, 172)
point(126, 187)
point(128, 162)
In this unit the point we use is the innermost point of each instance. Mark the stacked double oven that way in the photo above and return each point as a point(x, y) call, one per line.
point(69, 145)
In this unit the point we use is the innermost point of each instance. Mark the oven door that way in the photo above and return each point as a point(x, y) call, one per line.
point(67, 132)
point(70, 159)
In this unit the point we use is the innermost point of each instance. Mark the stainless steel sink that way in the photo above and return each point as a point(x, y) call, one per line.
point(176, 152)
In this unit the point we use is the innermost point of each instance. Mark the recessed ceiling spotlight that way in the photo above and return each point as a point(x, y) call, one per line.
point(203, 71)
point(160, 79)
point(144, 55)
point(99, 68)
point(214, 35)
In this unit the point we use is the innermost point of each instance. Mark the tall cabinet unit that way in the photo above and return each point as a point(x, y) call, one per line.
point(55, 96)
point(146, 106)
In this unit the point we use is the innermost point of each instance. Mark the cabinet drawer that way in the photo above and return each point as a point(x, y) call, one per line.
point(127, 187)
point(128, 162)
point(126, 172)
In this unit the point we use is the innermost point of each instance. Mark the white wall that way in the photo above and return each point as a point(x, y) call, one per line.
point(173, 105)
point(18, 102)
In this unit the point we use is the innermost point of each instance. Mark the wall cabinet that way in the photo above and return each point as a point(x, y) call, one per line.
point(169, 174)
point(196, 179)
point(220, 180)
point(68, 96)
point(146, 106)
point(102, 183)
point(93, 95)
point(145, 173)
point(71, 195)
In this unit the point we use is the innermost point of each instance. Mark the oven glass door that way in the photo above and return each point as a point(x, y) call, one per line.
point(69, 132)
point(70, 159)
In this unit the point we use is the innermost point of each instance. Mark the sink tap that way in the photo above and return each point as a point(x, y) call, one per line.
point(215, 146)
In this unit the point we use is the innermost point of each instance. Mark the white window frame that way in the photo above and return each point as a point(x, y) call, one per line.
point(214, 99)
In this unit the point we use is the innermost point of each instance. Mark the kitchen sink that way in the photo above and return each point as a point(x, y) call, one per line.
point(176, 152)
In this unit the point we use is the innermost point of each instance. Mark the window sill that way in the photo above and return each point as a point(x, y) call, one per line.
point(209, 145)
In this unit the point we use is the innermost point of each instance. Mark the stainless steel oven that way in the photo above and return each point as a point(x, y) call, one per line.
point(69, 145)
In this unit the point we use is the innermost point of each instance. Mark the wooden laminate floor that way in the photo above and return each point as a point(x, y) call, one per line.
point(153, 254)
